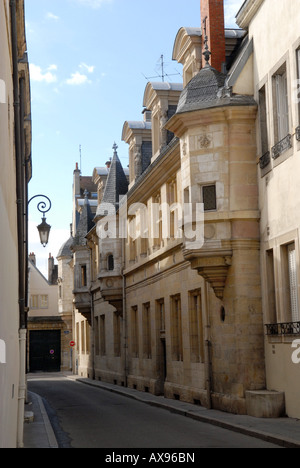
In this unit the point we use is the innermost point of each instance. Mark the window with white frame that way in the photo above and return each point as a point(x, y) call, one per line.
point(34, 301)
point(281, 105)
point(293, 283)
point(298, 92)
point(44, 301)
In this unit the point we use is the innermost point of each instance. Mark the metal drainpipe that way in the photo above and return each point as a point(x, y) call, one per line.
point(20, 220)
point(124, 315)
point(92, 314)
point(208, 372)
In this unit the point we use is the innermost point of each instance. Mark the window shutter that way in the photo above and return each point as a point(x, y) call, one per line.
point(293, 283)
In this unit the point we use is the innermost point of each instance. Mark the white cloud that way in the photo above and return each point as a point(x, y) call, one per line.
point(77, 79)
point(51, 16)
point(89, 68)
point(92, 3)
point(36, 74)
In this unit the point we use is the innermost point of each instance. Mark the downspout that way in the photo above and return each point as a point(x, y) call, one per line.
point(125, 339)
point(20, 221)
point(207, 350)
point(92, 313)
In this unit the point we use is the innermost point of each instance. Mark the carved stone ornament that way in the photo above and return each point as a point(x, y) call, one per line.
point(204, 141)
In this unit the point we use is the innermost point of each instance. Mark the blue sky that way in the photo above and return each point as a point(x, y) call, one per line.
point(88, 63)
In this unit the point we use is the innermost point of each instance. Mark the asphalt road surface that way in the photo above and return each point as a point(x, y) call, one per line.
point(87, 417)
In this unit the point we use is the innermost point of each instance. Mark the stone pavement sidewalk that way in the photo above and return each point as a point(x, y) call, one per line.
point(284, 432)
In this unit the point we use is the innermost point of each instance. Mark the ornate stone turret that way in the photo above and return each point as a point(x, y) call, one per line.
point(110, 245)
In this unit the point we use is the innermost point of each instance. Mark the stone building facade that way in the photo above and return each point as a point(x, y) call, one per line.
point(275, 78)
point(15, 174)
point(215, 321)
point(49, 327)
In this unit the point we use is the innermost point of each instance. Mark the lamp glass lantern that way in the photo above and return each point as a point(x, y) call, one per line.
point(43, 228)
point(44, 231)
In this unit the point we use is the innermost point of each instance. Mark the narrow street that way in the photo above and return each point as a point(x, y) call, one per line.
point(87, 417)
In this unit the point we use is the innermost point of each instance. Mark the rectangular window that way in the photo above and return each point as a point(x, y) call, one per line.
point(134, 332)
point(290, 284)
point(196, 326)
point(271, 287)
point(281, 105)
point(117, 334)
point(44, 301)
point(34, 301)
point(176, 328)
point(96, 328)
point(263, 121)
point(82, 337)
point(160, 310)
point(157, 222)
point(293, 283)
point(147, 331)
point(83, 276)
point(298, 88)
point(102, 335)
point(209, 197)
point(87, 337)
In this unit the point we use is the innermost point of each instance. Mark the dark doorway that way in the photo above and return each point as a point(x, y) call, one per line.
point(44, 351)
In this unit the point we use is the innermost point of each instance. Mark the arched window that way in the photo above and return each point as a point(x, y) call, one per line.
point(110, 263)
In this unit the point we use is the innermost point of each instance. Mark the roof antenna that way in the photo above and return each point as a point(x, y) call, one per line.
point(163, 74)
point(80, 157)
point(206, 52)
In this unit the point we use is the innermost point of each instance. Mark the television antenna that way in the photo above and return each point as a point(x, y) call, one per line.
point(80, 156)
point(163, 74)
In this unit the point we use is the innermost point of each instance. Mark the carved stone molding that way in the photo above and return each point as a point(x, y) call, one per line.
point(212, 264)
point(214, 270)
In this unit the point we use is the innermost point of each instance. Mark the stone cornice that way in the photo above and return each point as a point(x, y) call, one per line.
point(160, 170)
point(181, 123)
point(247, 12)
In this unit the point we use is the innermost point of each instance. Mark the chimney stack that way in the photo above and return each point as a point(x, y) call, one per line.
point(32, 258)
point(213, 10)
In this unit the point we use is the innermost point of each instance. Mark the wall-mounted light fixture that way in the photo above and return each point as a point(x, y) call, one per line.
point(43, 228)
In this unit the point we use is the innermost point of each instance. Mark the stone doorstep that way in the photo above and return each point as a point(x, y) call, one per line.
point(265, 404)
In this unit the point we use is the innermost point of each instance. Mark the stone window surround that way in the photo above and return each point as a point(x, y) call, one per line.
point(277, 246)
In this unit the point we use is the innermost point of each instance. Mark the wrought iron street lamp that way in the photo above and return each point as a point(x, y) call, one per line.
point(43, 228)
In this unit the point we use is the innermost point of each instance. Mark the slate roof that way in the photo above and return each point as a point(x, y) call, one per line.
point(116, 185)
point(207, 90)
point(85, 224)
point(65, 250)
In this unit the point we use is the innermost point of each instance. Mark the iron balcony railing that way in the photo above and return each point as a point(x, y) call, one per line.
point(282, 146)
point(265, 160)
point(288, 328)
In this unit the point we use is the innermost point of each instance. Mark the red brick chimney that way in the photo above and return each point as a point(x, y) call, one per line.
point(213, 10)
point(32, 258)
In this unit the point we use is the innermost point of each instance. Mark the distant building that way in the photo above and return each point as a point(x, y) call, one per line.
point(216, 322)
point(49, 330)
